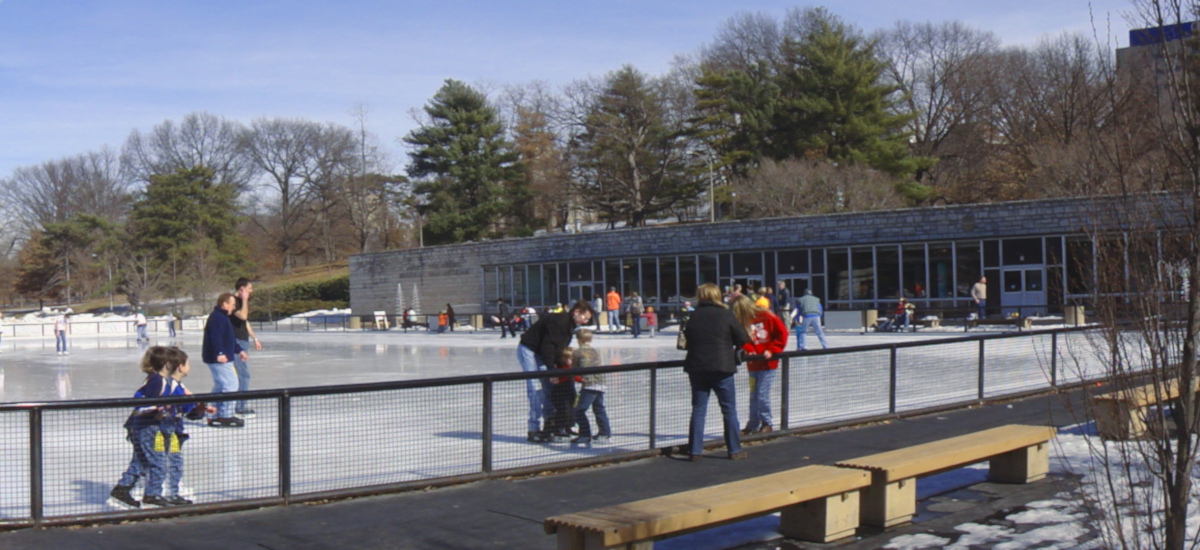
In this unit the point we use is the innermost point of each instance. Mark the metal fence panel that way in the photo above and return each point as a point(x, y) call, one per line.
point(834, 387)
point(1015, 365)
point(952, 369)
point(14, 455)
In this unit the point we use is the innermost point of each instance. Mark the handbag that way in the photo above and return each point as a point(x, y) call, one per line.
point(681, 340)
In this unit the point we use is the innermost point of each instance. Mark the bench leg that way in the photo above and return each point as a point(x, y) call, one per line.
point(1022, 465)
point(887, 504)
point(1116, 420)
point(571, 539)
point(823, 519)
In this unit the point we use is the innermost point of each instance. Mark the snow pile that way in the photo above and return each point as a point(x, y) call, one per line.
point(1101, 511)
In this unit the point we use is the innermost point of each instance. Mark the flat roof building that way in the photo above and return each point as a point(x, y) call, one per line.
point(1037, 256)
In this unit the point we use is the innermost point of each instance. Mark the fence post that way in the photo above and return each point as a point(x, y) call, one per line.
point(783, 398)
point(285, 447)
point(488, 397)
point(981, 363)
point(35, 466)
point(653, 406)
point(892, 383)
point(1054, 360)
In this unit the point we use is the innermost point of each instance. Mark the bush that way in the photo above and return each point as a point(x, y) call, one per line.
point(287, 299)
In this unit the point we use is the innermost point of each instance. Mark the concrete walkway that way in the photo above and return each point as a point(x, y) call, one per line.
point(507, 513)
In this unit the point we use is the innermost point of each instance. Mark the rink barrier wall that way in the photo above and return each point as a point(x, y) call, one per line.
point(501, 452)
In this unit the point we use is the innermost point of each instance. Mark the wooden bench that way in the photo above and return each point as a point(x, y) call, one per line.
point(1122, 414)
point(818, 503)
point(1018, 454)
point(928, 323)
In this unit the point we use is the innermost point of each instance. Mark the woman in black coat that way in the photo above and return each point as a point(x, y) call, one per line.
point(713, 337)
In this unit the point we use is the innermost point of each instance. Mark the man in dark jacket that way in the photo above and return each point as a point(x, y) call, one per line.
point(541, 348)
point(713, 337)
point(218, 351)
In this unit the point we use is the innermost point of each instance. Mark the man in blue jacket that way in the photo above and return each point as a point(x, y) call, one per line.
point(218, 352)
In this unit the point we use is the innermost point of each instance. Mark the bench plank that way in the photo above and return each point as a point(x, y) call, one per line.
point(1119, 414)
point(1018, 454)
point(671, 514)
point(951, 453)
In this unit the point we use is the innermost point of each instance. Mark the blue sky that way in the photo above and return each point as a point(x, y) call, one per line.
point(78, 75)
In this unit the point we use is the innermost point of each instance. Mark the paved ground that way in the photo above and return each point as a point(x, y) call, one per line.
point(507, 513)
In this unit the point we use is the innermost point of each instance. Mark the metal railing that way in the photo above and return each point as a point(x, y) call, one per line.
point(305, 444)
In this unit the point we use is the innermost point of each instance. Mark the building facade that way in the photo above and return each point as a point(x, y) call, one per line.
point(1037, 256)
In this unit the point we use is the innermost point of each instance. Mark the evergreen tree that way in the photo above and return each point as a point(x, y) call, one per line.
point(186, 225)
point(629, 156)
point(466, 172)
point(835, 103)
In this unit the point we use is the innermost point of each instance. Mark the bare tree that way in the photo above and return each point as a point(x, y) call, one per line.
point(200, 139)
point(369, 192)
point(55, 191)
point(283, 150)
point(334, 157)
point(803, 186)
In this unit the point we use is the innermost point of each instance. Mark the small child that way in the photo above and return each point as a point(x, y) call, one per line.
point(177, 368)
point(443, 321)
point(592, 394)
point(152, 432)
point(562, 398)
point(651, 320)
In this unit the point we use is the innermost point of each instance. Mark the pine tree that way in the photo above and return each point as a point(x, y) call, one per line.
point(630, 157)
point(467, 174)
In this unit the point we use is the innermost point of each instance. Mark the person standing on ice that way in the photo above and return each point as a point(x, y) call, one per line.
point(612, 305)
point(541, 348)
point(218, 352)
point(244, 333)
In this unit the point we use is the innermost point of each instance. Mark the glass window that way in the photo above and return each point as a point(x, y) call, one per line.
point(1012, 280)
point(581, 271)
point(1079, 265)
point(629, 277)
point(687, 278)
point(914, 270)
point(818, 261)
point(746, 264)
point(708, 269)
point(536, 285)
point(1023, 251)
point(649, 280)
point(793, 262)
point(612, 274)
point(991, 253)
point(941, 272)
point(968, 269)
point(668, 283)
point(1033, 280)
point(1054, 253)
point(504, 280)
point(490, 290)
point(549, 285)
point(839, 273)
point(862, 261)
point(887, 265)
point(519, 287)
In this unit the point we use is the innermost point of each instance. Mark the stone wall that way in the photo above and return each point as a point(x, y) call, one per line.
point(454, 273)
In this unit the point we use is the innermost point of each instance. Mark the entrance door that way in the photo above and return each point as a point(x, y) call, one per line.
point(796, 284)
point(749, 283)
point(1023, 291)
point(579, 291)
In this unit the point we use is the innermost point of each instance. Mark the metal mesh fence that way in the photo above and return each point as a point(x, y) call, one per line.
point(1015, 365)
point(932, 375)
point(313, 441)
point(835, 387)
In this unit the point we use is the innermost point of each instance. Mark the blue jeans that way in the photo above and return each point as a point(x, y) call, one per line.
point(614, 319)
point(141, 331)
point(146, 460)
point(760, 399)
point(225, 380)
point(722, 384)
point(175, 463)
point(982, 309)
point(637, 325)
point(243, 373)
point(815, 322)
point(60, 340)
point(595, 400)
point(537, 391)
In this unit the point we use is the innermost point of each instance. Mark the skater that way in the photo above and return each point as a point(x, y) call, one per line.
point(592, 394)
point(768, 337)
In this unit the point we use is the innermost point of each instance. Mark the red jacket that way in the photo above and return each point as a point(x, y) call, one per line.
point(767, 333)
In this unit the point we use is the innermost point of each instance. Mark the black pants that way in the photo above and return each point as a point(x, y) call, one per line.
point(562, 398)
